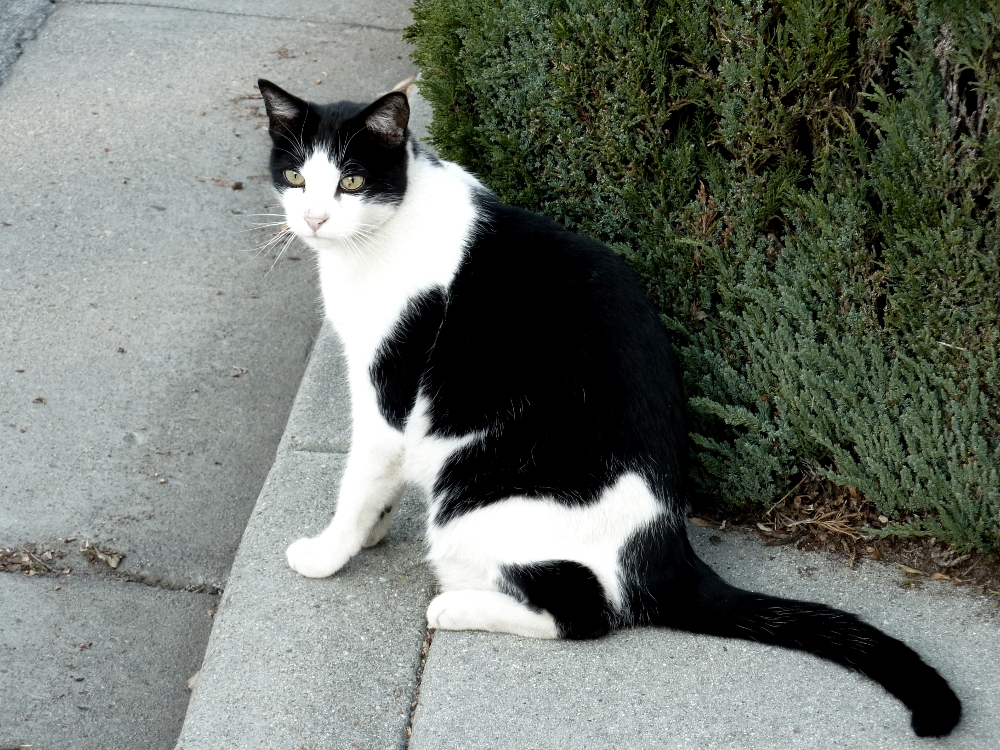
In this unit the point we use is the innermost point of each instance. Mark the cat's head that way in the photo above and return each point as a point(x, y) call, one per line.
point(340, 168)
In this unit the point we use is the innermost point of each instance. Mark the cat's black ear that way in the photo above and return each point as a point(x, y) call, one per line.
point(285, 112)
point(387, 119)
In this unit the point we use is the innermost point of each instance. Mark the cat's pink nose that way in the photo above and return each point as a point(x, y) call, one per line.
point(315, 222)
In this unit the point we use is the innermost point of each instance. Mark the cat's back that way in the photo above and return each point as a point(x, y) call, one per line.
point(551, 324)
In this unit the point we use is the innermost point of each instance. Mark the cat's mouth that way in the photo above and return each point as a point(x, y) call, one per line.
point(323, 236)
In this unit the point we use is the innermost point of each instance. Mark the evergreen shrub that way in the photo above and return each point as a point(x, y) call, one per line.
point(809, 191)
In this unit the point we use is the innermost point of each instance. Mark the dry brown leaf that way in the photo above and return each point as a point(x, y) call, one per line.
point(700, 522)
point(110, 557)
point(911, 571)
point(940, 577)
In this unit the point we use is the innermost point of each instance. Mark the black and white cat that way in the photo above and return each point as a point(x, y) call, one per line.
point(517, 373)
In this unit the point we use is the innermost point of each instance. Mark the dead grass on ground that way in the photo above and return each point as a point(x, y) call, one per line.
point(819, 515)
point(33, 559)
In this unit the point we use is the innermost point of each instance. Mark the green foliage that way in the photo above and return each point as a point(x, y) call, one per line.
point(809, 190)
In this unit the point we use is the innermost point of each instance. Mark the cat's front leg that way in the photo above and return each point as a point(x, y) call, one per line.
point(369, 496)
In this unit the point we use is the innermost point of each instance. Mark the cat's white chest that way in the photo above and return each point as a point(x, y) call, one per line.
point(362, 310)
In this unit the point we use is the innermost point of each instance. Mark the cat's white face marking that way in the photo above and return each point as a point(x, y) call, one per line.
point(326, 216)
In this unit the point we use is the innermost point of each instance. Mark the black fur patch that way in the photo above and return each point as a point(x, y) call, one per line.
point(659, 573)
point(397, 368)
point(552, 350)
point(567, 590)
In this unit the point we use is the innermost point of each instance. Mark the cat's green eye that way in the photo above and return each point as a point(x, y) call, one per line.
point(294, 178)
point(352, 182)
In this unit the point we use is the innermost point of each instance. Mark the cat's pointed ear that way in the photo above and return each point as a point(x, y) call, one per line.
point(387, 119)
point(406, 86)
point(285, 113)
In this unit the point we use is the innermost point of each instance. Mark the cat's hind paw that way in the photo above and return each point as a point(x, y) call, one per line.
point(380, 529)
point(488, 610)
point(314, 558)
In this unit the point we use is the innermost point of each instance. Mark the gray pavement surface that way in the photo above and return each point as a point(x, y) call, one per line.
point(92, 664)
point(149, 356)
point(651, 688)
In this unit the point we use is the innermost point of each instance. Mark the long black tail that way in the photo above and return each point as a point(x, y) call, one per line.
point(713, 607)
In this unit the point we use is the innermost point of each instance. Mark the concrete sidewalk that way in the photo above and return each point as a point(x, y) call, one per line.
point(336, 663)
point(148, 357)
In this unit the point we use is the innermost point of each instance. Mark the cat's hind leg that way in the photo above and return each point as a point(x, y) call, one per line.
point(567, 590)
point(551, 599)
point(471, 609)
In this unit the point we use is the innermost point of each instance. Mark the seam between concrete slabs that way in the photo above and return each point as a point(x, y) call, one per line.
point(341, 24)
point(310, 449)
point(425, 652)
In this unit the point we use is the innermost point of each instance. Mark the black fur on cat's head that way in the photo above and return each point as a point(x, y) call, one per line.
point(364, 140)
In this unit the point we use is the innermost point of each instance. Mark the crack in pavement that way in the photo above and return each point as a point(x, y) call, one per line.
point(425, 651)
point(300, 19)
point(48, 561)
point(190, 588)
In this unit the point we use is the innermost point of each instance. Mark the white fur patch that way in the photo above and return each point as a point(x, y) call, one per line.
point(366, 286)
point(468, 552)
point(427, 455)
point(372, 484)
point(348, 222)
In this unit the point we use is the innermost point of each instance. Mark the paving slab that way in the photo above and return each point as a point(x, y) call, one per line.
point(653, 688)
point(88, 664)
point(148, 358)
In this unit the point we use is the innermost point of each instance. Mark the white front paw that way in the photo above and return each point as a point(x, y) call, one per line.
point(315, 558)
